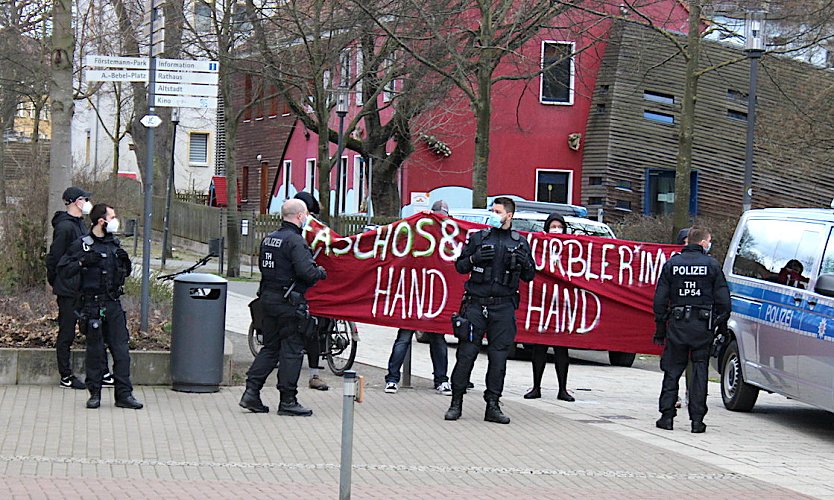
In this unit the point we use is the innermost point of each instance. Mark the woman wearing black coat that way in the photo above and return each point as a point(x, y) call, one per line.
point(555, 224)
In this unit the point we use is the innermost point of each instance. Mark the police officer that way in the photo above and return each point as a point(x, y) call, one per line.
point(497, 259)
point(97, 266)
point(691, 293)
point(287, 271)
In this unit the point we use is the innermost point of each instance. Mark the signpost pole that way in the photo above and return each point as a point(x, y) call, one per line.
point(147, 183)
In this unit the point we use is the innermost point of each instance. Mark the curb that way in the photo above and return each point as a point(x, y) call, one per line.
point(25, 366)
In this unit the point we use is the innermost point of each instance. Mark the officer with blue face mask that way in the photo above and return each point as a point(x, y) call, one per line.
point(691, 299)
point(496, 259)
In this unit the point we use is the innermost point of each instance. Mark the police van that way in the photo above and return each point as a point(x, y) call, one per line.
point(780, 270)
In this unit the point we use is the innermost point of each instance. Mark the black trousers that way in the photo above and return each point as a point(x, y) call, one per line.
point(687, 341)
point(113, 332)
point(66, 333)
point(540, 360)
point(498, 324)
point(284, 346)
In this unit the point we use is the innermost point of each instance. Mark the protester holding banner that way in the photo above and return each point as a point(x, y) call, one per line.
point(691, 293)
point(287, 271)
point(437, 346)
point(496, 259)
point(555, 224)
point(312, 347)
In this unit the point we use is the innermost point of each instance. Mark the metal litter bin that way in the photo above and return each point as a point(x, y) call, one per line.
point(198, 327)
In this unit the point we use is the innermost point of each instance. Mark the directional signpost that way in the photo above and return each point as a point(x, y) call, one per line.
point(186, 84)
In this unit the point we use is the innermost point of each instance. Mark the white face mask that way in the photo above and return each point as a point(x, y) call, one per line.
point(556, 230)
point(112, 226)
point(86, 208)
point(495, 220)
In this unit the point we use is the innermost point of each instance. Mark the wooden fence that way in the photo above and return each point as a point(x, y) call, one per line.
point(203, 223)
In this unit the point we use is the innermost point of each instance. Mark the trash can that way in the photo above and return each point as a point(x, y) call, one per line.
point(198, 327)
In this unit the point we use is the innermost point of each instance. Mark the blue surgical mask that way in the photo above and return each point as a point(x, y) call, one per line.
point(494, 220)
point(708, 248)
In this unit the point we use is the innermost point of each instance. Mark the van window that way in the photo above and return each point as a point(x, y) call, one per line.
point(828, 257)
point(778, 251)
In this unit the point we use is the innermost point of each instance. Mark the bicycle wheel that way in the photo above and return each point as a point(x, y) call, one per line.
point(256, 340)
point(340, 346)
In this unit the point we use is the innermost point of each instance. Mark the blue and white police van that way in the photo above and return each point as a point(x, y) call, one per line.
point(780, 269)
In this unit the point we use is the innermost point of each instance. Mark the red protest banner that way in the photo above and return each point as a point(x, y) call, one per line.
point(589, 292)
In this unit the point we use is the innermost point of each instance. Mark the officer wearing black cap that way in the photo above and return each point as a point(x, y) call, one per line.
point(496, 259)
point(691, 294)
point(287, 271)
point(96, 266)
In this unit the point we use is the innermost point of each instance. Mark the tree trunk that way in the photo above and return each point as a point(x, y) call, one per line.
point(483, 114)
point(683, 168)
point(60, 93)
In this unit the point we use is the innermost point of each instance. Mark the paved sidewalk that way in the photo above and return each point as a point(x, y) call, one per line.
point(205, 446)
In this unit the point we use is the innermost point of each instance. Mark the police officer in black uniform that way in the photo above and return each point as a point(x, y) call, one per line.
point(691, 295)
point(97, 266)
point(497, 259)
point(287, 271)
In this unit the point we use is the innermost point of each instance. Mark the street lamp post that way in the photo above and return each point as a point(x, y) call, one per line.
point(754, 48)
point(341, 111)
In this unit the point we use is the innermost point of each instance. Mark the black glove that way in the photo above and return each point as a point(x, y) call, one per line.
point(123, 257)
point(722, 329)
point(659, 333)
point(322, 273)
point(90, 259)
point(484, 253)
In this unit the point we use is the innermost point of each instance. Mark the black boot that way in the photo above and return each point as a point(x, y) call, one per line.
point(251, 400)
point(291, 407)
point(95, 399)
point(698, 427)
point(129, 402)
point(562, 363)
point(534, 393)
point(456, 408)
point(665, 422)
point(494, 414)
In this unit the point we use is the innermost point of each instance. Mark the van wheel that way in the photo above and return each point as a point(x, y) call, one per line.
point(737, 394)
point(625, 359)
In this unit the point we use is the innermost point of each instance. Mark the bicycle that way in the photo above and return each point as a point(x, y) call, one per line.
point(338, 341)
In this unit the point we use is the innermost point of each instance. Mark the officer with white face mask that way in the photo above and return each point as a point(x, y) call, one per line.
point(97, 266)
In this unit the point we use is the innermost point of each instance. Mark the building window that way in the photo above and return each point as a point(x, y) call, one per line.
point(736, 115)
point(659, 97)
point(343, 187)
point(624, 186)
point(736, 96)
point(287, 178)
point(202, 16)
point(198, 149)
point(557, 73)
point(310, 176)
point(595, 180)
point(273, 101)
point(344, 64)
point(360, 68)
point(660, 192)
point(244, 195)
point(623, 205)
point(360, 178)
point(247, 97)
point(659, 117)
point(553, 186)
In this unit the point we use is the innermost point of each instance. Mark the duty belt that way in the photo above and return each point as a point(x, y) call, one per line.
point(702, 312)
point(488, 301)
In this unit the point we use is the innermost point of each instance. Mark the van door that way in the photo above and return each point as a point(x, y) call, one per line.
point(766, 251)
point(816, 342)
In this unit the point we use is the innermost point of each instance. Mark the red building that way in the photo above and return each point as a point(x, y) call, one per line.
point(538, 128)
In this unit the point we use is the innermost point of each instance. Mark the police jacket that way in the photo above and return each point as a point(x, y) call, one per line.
point(106, 276)
point(691, 278)
point(285, 258)
point(66, 229)
point(499, 277)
